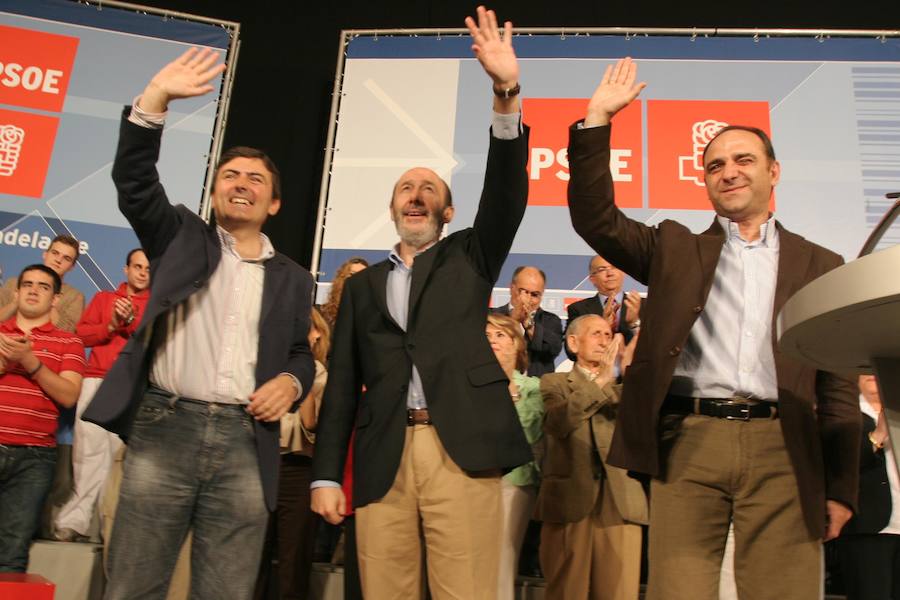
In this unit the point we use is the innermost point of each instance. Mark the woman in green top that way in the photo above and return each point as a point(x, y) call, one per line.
point(521, 484)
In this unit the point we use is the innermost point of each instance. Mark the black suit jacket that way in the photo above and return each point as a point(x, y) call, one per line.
point(874, 488)
point(819, 411)
point(465, 388)
point(544, 346)
point(594, 306)
point(184, 251)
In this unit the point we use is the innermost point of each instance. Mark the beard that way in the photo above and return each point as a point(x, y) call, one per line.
point(421, 235)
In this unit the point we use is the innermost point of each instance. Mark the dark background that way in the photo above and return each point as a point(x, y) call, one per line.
point(281, 99)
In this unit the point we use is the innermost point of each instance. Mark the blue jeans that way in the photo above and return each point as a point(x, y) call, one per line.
point(189, 465)
point(26, 473)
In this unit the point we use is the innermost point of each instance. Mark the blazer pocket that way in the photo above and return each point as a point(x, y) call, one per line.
point(485, 374)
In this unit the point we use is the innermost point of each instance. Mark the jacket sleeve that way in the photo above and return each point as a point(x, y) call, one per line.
point(142, 198)
point(502, 204)
point(566, 409)
point(93, 328)
point(547, 339)
point(624, 242)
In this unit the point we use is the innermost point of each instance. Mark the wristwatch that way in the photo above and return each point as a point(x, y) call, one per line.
point(636, 324)
point(507, 93)
point(130, 319)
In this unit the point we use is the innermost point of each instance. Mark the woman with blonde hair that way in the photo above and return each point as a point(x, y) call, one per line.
point(519, 486)
point(349, 267)
point(293, 522)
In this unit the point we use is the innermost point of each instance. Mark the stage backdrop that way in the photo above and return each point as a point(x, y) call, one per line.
point(66, 71)
point(831, 103)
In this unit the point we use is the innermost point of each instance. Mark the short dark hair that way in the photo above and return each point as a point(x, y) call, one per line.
point(762, 135)
point(523, 267)
point(248, 152)
point(68, 240)
point(57, 280)
point(132, 253)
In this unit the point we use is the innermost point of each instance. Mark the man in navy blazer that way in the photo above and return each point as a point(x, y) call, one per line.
point(622, 310)
point(220, 356)
point(436, 424)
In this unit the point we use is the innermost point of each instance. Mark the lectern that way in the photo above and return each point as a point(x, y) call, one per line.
point(848, 321)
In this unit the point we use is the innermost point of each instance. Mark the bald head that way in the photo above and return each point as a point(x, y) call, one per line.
point(420, 206)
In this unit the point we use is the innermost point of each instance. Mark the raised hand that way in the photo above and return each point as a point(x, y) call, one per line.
point(617, 89)
point(632, 307)
point(185, 77)
point(493, 50)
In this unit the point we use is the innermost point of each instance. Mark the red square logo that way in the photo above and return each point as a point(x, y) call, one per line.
point(26, 143)
point(548, 161)
point(678, 131)
point(35, 68)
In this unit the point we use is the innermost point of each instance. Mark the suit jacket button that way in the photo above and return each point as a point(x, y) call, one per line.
point(698, 309)
point(675, 351)
point(198, 284)
point(410, 346)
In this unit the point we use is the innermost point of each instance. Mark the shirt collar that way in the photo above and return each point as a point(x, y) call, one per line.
point(591, 375)
point(768, 232)
point(12, 326)
point(228, 243)
point(394, 255)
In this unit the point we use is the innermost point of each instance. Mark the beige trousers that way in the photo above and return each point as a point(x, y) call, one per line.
point(718, 471)
point(597, 558)
point(431, 500)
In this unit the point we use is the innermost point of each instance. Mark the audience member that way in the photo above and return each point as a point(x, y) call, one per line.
point(543, 330)
point(40, 369)
point(727, 426)
point(519, 486)
point(592, 512)
point(621, 310)
point(869, 546)
point(350, 266)
point(110, 319)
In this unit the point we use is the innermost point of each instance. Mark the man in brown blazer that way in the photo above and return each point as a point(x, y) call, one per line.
point(729, 428)
point(591, 536)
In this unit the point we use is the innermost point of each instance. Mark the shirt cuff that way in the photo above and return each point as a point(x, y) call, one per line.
point(506, 126)
point(323, 483)
point(146, 119)
point(296, 383)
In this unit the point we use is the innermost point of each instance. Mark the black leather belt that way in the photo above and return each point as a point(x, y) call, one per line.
point(417, 416)
point(741, 409)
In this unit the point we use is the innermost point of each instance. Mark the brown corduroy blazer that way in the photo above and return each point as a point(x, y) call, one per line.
point(819, 411)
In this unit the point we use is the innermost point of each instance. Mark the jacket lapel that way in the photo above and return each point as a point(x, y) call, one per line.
point(420, 273)
point(709, 245)
point(793, 262)
point(378, 274)
point(273, 280)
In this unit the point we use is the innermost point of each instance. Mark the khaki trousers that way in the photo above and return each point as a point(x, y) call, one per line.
point(456, 514)
point(718, 471)
point(598, 557)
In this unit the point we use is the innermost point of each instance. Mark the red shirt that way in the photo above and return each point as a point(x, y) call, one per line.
point(93, 328)
point(27, 414)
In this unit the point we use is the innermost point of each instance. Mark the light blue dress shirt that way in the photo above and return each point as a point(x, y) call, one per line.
point(729, 349)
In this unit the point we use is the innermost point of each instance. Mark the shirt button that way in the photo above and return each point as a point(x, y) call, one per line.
point(675, 351)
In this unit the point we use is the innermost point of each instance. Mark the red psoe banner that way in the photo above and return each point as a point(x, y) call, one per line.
point(548, 161)
point(26, 144)
point(677, 133)
point(35, 68)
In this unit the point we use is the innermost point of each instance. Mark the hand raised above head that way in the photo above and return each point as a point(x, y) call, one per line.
point(494, 50)
point(617, 90)
point(185, 77)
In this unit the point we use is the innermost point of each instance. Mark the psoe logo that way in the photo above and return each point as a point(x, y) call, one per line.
point(35, 68)
point(26, 144)
point(690, 168)
point(11, 138)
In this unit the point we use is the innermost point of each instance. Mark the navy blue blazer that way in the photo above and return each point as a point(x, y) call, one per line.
point(184, 251)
